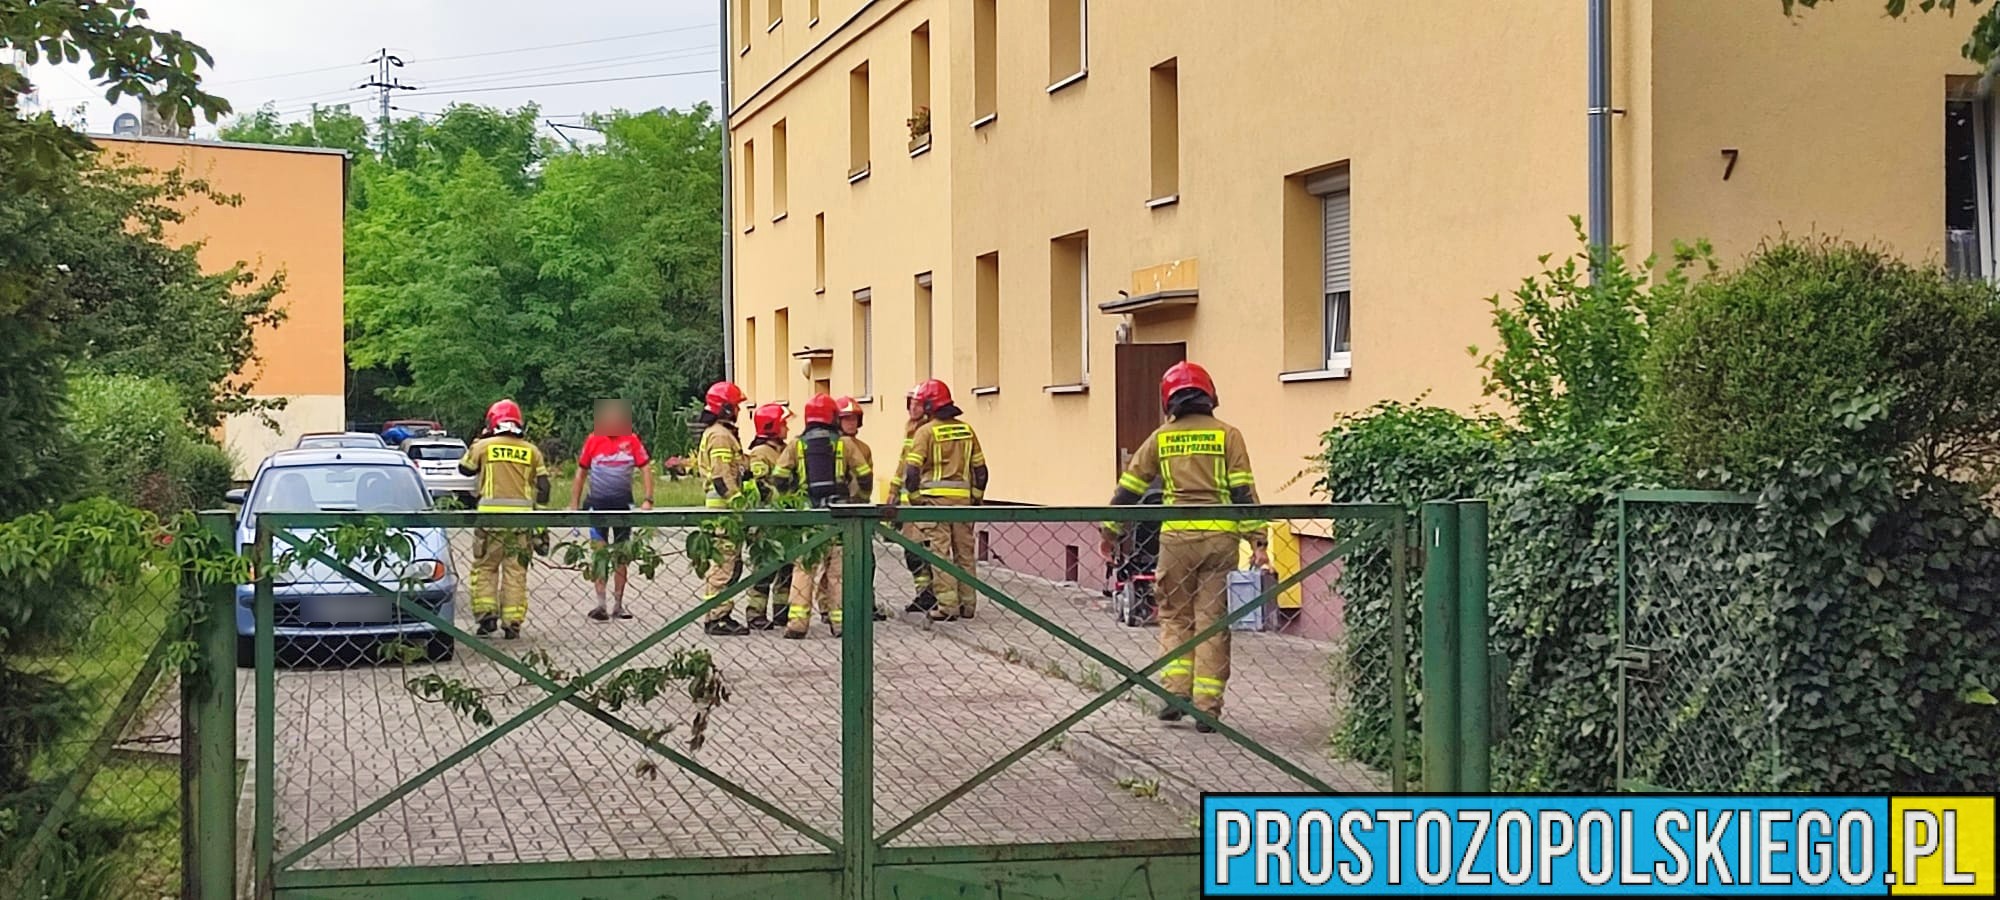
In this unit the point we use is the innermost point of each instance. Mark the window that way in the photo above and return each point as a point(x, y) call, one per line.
point(743, 24)
point(780, 178)
point(925, 349)
point(1318, 274)
point(1166, 132)
point(1969, 169)
point(857, 123)
point(1069, 310)
point(781, 342)
point(777, 14)
point(985, 73)
point(920, 87)
point(746, 371)
point(986, 320)
point(1069, 50)
point(749, 186)
point(819, 253)
point(864, 343)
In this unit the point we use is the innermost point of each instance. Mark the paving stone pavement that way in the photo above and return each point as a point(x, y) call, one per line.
point(950, 700)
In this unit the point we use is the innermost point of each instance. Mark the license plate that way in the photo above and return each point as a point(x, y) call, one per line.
point(327, 610)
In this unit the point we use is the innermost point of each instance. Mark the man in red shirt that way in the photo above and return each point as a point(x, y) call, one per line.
point(611, 456)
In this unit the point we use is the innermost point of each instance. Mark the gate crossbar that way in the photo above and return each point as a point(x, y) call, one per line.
point(1131, 678)
point(557, 694)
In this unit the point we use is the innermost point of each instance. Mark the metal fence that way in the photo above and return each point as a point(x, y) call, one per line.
point(98, 811)
point(393, 746)
point(1695, 676)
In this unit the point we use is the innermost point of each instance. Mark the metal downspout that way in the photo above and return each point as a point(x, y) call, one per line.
point(1600, 124)
point(728, 213)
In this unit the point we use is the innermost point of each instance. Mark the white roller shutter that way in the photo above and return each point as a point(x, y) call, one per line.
point(1339, 252)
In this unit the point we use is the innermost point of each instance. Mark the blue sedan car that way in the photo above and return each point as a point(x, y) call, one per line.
point(314, 605)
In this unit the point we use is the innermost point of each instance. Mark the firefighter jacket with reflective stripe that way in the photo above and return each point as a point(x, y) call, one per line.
point(945, 462)
point(909, 440)
point(509, 469)
point(850, 480)
point(762, 459)
point(1199, 460)
point(721, 462)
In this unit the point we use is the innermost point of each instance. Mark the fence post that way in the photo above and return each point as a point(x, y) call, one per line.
point(208, 703)
point(1440, 663)
point(1475, 690)
point(857, 702)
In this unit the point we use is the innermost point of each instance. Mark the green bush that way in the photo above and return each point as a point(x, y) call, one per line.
point(1843, 634)
point(136, 446)
point(1751, 370)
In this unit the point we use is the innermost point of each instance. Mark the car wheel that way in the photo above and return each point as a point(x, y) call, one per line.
point(439, 648)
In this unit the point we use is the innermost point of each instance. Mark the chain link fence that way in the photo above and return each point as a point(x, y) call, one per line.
point(90, 743)
point(399, 736)
point(1696, 674)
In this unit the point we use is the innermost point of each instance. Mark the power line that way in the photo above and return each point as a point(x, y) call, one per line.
point(622, 37)
point(579, 66)
point(288, 74)
point(517, 87)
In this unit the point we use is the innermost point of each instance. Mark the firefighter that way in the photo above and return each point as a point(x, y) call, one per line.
point(830, 470)
point(721, 462)
point(945, 466)
point(920, 571)
point(771, 424)
point(512, 477)
point(851, 420)
point(1200, 460)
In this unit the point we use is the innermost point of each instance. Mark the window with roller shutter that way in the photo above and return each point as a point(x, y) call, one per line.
point(1337, 246)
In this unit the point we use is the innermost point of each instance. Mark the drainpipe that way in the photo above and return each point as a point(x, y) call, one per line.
point(1600, 124)
point(728, 214)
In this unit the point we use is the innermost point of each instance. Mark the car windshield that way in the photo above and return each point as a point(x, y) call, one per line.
point(437, 451)
point(339, 441)
point(339, 487)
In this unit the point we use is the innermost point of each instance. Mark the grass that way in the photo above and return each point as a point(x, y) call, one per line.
point(668, 493)
point(98, 665)
point(143, 796)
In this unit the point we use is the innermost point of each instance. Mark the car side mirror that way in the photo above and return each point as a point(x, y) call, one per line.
point(236, 496)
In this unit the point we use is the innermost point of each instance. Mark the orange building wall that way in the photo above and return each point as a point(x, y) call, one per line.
point(290, 220)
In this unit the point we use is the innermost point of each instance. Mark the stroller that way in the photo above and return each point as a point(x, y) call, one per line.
point(1135, 558)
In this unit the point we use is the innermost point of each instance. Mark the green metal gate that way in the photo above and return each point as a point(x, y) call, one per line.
point(908, 758)
point(1693, 693)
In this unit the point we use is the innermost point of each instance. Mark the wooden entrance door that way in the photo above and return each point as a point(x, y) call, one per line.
point(1138, 371)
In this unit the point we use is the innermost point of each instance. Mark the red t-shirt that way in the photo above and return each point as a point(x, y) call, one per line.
point(611, 461)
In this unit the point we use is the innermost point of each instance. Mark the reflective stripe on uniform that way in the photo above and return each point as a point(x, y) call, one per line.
point(1240, 479)
point(506, 504)
point(946, 487)
point(799, 613)
point(833, 617)
point(1205, 686)
point(1181, 666)
point(1201, 525)
point(1132, 483)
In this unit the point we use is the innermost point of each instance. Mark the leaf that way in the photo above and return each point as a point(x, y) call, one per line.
point(1979, 696)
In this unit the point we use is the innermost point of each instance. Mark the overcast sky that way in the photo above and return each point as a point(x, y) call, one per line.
point(293, 53)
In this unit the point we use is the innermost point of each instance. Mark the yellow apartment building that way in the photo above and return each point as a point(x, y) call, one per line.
point(291, 219)
point(1046, 202)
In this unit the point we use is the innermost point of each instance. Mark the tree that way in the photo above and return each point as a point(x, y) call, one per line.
point(484, 263)
point(1981, 47)
point(335, 127)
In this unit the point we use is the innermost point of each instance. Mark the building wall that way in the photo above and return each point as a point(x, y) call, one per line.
point(1463, 128)
point(882, 231)
point(1837, 116)
point(290, 221)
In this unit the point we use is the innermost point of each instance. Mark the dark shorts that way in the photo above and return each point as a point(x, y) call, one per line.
point(617, 533)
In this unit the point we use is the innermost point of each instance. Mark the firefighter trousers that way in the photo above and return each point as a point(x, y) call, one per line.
point(500, 573)
point(1193, 590)
point(950, 541)
point(920, 571)
point(727, 568)
point(821, 584)
point(767, 598)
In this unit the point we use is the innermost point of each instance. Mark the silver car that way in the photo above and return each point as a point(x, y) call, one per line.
point(437, 461)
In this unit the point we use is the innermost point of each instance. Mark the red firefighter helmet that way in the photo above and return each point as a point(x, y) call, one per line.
point(933, 395)
point(769, 420)
point(846, 406)
point(1185, 376)
point(821, 410)
point(503, 412)
point(723, 399)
